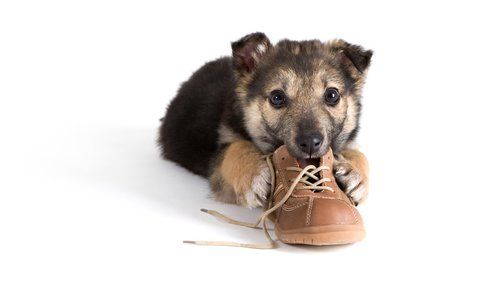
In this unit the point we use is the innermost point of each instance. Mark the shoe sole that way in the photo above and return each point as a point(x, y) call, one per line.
point(322, 235)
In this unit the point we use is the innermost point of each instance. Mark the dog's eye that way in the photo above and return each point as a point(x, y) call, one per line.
point(278, 98)
point(332, 96)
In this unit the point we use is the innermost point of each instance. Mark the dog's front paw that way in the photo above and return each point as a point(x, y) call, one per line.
point(351, 181)
point(257, 188)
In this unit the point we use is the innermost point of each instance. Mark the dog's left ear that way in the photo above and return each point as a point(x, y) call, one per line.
point(354, 54)
point(248, 51)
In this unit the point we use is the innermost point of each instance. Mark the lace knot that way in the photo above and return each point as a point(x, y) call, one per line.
point(310, 180)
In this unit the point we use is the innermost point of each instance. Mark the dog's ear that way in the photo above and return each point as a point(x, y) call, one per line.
point(248, 51)
point(353, 54)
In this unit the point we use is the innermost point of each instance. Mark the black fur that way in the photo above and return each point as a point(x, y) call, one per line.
point(189, 132)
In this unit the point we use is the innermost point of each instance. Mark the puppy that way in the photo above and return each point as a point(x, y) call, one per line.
point(234, 110)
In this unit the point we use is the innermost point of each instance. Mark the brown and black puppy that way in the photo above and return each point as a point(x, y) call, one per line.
point(233, 111)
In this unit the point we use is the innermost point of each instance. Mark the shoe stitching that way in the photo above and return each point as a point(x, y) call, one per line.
point(309, 211)
point(280, 188)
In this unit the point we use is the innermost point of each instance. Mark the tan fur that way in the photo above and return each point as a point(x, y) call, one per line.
point(358, 160)
point(240, 169)
point(255, 126)
point(227, 135)
point(350, 110)
point(353, 172)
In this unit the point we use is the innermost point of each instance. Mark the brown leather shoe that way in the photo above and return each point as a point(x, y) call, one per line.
point(307, 206)
point(317, 212)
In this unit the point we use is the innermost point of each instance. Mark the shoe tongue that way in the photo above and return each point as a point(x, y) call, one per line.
point(308, 161)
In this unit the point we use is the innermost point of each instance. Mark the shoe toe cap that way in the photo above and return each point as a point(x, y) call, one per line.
point(333, 212)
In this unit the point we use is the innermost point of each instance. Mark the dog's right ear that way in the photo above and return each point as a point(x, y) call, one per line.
point(352, 54)
point(248, 51)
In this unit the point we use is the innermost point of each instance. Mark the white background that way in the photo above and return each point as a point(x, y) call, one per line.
point(90, 215)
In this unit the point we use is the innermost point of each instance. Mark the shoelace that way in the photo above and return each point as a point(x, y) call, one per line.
point(305, 176)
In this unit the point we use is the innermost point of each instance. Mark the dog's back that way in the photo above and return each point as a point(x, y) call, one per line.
point(189, 132)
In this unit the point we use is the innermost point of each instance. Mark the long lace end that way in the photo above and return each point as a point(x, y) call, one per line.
point(232, 244)
point(190, 241)
point(227, 219)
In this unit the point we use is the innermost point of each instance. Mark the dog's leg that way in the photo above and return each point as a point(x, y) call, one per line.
point(351, 173)
point(241, 175)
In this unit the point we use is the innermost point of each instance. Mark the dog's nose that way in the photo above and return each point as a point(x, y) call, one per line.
point(309, 143)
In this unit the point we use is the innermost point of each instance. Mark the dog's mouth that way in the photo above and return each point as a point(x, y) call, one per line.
point(303, 162)
point(305, 158)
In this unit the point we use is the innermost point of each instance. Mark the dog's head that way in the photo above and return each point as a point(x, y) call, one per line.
point(305, 94)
